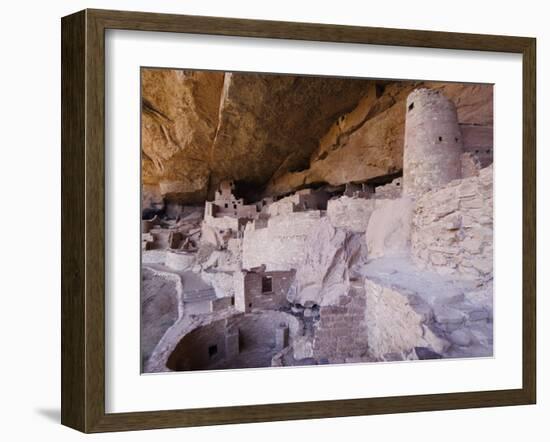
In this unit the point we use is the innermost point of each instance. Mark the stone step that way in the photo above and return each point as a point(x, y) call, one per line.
point(199, 295)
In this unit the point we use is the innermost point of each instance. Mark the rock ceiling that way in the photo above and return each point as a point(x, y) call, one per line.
point(275, 133)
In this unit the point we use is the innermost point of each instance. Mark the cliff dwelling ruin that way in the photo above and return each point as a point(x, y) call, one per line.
point(291, 221)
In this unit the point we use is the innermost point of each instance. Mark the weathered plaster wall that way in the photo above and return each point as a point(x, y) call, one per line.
point(279, 245)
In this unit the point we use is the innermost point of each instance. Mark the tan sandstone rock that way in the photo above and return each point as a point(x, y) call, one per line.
point(325, 272)
point(389, 229)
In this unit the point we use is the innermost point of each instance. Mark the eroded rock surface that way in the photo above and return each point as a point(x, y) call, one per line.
point(180, 111)
point(350, 213)
point(389, 229)
point(200, 128)
point(326, 271)
point(412, 314)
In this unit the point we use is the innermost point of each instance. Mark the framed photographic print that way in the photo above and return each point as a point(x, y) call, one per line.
point(268, 221)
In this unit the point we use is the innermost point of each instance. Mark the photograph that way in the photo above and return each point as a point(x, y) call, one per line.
point(271, 221)
point(301, 220)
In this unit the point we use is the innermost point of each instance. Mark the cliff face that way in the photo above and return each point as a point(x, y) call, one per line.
point(278, 133)
point(179, 119)
point(199, 128)
point(368, 142)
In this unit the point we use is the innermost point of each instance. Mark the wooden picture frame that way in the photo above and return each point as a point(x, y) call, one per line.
point(83, 216)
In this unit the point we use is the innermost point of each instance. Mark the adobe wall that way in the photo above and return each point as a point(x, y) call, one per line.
point(302, 200)
point(226, 204)
point(452, 228)
point(250, 296)
point(280, 245)
point(217, 231)
point(433, 142)
point(222, 223)
point(234, 208)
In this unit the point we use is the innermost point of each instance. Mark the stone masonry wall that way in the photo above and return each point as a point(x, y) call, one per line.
point(452, 229)
point(249, 294)
point(341, 333)
point(433, 142)
point(302, 200)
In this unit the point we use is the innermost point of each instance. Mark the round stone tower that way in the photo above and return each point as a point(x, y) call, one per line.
point(433, 142)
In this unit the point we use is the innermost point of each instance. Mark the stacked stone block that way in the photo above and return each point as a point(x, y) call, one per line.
point(433, 142)
point(341, 333)
point(452, 230)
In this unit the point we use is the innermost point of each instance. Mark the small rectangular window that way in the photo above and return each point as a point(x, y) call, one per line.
point(267, 284)
point(212, 350)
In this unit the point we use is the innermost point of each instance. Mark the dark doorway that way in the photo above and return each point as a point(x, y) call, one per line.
point(212, 350)
point(267, 284)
